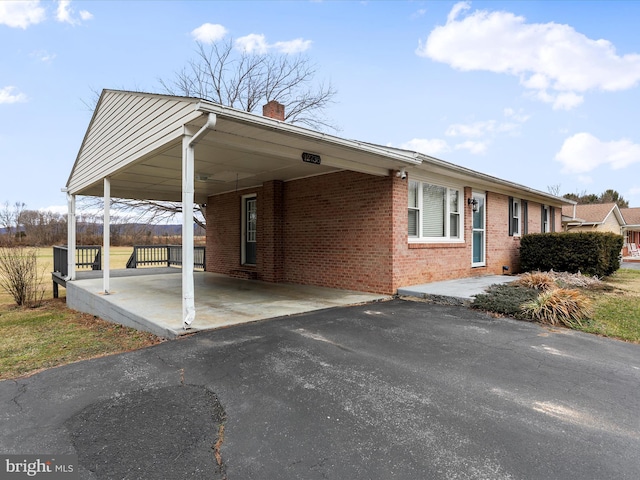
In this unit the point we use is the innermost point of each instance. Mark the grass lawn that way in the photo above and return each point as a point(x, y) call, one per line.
point(617, 313)
point(32, 339)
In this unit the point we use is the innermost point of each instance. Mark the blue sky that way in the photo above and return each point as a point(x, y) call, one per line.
point(539, 93)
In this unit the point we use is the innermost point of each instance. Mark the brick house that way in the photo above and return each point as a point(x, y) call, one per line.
point(288, 204)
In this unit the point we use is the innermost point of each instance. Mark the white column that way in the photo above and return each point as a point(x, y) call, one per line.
point(188, 296)
point(71, 237)
point(106, 235)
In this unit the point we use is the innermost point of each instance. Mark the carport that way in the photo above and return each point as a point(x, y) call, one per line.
point(159, 147)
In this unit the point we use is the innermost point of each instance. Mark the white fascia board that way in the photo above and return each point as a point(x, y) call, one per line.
point(406, 158)
point(485, 180)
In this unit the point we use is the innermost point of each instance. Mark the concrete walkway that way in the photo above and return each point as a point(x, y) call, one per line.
point(454, 292)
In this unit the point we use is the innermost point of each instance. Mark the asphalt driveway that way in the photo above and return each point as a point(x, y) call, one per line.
point(390, 390)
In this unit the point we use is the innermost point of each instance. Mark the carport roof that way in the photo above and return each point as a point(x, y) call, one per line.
point(135, 139)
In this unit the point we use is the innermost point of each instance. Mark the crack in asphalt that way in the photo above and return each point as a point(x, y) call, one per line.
point(22, 389)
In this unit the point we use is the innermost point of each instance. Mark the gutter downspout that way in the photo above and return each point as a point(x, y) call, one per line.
point(188, 193)
point(106, 236)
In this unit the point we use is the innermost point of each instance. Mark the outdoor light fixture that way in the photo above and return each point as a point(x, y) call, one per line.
point(474, 204)
point(401, 174)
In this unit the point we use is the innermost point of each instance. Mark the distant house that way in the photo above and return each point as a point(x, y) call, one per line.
point(631, 229)
point(596, 217)
point(289, 204)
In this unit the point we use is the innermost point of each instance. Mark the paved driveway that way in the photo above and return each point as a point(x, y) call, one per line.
point(391, 390)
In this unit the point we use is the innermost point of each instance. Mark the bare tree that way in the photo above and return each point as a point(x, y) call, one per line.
point(554, 189)
point(226, 75)
point(20, 275)
point(10, 219)
point(223, 74)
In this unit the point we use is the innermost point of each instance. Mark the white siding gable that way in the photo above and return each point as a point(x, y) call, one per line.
point(125, 127)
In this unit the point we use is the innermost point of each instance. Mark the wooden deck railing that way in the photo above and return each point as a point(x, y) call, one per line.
point(143, 255)
point(165, 255)
point(86, 257)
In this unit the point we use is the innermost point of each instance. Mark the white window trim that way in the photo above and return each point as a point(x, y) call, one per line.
point(243, 243)
point(483, 263)
point(517, 201)
point(546, 227)
point(461, 213)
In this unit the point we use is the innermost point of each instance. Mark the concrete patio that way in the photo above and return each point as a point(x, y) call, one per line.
point(150, 299)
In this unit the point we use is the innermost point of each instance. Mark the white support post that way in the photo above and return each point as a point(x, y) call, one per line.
point(106, 235)
point(71, 237)
point(189, 142)
point(188, 296)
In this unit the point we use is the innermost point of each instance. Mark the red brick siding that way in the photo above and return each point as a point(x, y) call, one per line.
point(224, 231)
point(349, 230)
point(338, 233)
point(430, 262)
point(270, 232)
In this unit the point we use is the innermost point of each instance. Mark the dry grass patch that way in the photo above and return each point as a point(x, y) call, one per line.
point(32, 339)
point(538, 280)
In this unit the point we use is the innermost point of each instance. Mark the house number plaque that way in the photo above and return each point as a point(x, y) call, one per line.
point(311, 158)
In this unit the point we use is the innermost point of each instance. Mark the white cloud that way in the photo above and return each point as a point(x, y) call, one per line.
point(553, 61)
point(44, 56)
point(476, 148)
point(21, 14)
point(7, 96)
point(419, 13)
point(585, 179)
point(483, 132)
point(634, 191)
point(252, 43)
point(209, 33)
point(583, 153)
point(257, 43)
point(516, 116)
point(433, 147)
point(292, 46)
point(66, 14)
point(476, 137)
point(59, 209)
point(476, 129)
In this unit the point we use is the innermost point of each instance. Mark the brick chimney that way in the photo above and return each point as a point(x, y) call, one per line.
point(273, 109)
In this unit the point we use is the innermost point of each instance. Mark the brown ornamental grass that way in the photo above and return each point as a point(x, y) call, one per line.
point(560, 306)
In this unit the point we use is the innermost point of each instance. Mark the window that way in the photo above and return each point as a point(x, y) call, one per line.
point(434, 212)
point(546, 227)
point(514, 217)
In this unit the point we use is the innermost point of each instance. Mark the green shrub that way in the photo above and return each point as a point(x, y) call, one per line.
point(591, 253)
point(505, 299)
point(559, 306)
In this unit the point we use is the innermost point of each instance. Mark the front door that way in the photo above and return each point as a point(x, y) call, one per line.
point(478, 236)
point(249, 227)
